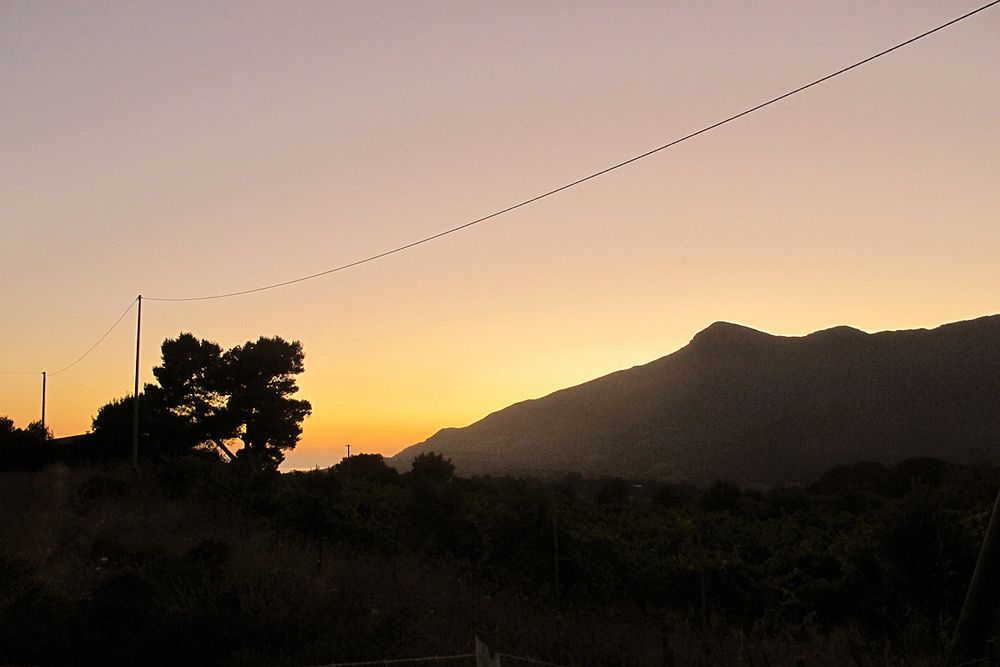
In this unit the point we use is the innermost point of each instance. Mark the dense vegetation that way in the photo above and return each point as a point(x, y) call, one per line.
point(195, 562)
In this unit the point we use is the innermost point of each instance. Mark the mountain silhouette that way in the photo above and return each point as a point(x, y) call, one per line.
point(744, 405)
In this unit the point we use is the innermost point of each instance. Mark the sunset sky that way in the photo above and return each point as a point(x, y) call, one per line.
point(175, 149)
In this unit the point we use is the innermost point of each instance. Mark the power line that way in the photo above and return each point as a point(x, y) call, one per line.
point(84, 355)
point(45, 375)
point(531, 200)
point(88, 387)
point(106, 334)
point(589, 177)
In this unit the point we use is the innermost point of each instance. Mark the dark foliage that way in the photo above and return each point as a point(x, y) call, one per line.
point(209, 399)
point(357, 562)
point(722, 496)
point(205, 401)
point(370, 467)
point(162, 434)
point(432, 467)
point(24, 449)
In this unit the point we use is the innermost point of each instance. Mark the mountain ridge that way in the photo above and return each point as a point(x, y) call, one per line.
point(751, 406)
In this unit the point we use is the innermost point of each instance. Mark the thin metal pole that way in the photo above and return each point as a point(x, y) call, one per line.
point(135, 392)
point(982, 599)
point(555, 550)
point(43, 400)
point(348, 451)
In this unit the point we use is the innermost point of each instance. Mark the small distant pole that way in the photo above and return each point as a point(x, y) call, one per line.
point(348, 451)
point(43, 400)
point(135, 392)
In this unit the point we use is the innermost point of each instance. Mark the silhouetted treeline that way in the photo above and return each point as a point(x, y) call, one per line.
point(194, 562)
point(26, 448)
point(34, 448)
point(204, 402)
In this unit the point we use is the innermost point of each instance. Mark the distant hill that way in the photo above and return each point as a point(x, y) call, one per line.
point(747, 406)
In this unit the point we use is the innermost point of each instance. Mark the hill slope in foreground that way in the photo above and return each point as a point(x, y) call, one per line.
point(748, 406)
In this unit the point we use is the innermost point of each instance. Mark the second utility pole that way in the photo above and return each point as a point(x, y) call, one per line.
point(135, 393)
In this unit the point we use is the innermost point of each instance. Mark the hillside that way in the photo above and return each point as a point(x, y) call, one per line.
point(740, 404)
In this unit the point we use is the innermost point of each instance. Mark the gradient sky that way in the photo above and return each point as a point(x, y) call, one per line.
point(178, 149)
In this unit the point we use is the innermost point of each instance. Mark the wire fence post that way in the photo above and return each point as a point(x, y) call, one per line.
point(483, 656)
point(555, 552)
point(982, 600)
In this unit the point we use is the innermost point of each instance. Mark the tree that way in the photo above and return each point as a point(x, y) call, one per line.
point(161, 432)
point(190, 386)
point(24, 449)
point(433, 467)
point(206, 397)
point(722, 496)
point(39, 431)
point(258, 379)
point(370, 467)
point(34, 430)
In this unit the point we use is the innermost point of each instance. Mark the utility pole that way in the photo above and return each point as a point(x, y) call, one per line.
point(43, 400)
point(348, 451)
point(135, 392)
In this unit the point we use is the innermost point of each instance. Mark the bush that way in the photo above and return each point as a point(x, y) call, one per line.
point(722, 496)
point(100, 486)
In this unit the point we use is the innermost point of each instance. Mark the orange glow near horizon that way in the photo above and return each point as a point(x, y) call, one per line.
point(183, 149)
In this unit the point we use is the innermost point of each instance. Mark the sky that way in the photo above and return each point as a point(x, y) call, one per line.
point(186, 148)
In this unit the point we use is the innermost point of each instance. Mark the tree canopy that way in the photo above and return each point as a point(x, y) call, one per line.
point(23, 448)
point(205, 396)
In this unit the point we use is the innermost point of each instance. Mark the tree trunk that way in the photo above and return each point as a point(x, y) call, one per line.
point(221, 445)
